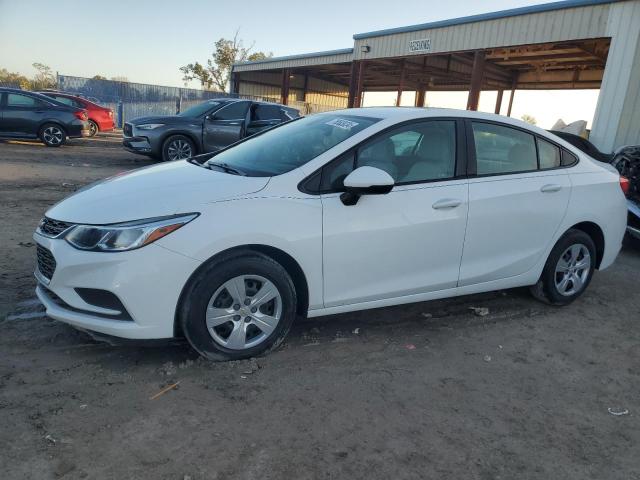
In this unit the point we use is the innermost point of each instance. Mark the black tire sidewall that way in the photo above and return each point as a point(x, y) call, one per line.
point(47, 125)
point(572, 237)
point(204, 284)
point(165, 146)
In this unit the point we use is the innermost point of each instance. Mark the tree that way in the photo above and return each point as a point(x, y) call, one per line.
point(14, 79)
point(44, 78)
point(217, 72)
point(529, 119)
point(98, 77)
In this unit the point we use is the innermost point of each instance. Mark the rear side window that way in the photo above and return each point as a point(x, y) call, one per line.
point(267, 112)
point(502, 149)
point(235, 111)
point(568, 158)
point(549, 154)
point(68, 101)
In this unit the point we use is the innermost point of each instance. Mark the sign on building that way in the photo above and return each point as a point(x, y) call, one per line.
point(422, 45)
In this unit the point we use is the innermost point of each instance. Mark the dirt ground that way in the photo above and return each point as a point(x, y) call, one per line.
point(426, 391)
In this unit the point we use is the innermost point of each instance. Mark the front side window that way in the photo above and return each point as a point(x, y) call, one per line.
point(234, 111)
point(200, 109)
point(502, 149)
point(266, 112)
point(293, 144)
point(17, 100)
point(419, 152)
point(549, 154)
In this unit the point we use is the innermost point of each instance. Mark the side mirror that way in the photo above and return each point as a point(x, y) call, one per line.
point(365, 181)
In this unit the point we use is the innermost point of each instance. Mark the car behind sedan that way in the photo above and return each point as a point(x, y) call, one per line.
point(100, 118)
point(206, 127)
point(332, 213)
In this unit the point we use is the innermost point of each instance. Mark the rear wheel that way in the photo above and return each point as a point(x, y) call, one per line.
point(52, 135)
point(568, 270)
point(239, 307)
point(178, 147)
point(93, 128)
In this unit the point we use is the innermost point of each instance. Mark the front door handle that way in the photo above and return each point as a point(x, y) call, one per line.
point(550, 188)
point(446, 203)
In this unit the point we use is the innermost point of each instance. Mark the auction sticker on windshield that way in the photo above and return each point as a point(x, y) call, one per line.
point(342, 123)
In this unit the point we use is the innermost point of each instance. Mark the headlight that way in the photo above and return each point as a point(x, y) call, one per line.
point(125, 236)
point(149, 126)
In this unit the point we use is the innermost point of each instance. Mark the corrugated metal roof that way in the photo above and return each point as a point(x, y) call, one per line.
point(327, 53)
point(514, 12)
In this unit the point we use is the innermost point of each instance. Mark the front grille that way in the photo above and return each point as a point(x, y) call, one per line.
point(46, 262)
point(127, 130)
point(52, 228)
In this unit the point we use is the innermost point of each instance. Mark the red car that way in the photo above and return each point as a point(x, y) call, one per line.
point(100, 118)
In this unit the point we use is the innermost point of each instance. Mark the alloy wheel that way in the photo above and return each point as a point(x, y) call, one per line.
point(572, 270)
point(179, 150)
point(243, 312)
point(52, 135)
point(93, 129)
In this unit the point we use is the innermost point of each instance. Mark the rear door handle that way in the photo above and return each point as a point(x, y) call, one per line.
point(446, 203)
point(550, 188)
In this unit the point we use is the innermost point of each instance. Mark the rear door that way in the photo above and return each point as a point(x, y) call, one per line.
point(263, 116)
point(22, 114)
point(517, 200)
point(225, 126)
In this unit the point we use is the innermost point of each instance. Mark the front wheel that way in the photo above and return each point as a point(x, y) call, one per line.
point(239, 307)
point(178, 147)
point(53, 135)
point(568, 270)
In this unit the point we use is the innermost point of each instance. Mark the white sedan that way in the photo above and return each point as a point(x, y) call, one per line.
point(332, 213)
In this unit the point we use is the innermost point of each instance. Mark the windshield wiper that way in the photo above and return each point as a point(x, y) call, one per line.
point(225, 167)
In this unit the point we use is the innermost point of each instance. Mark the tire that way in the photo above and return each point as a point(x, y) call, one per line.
point(563, 280)
point(93, 128)
point(177, 147)
point(235, 329)
point(52, 135)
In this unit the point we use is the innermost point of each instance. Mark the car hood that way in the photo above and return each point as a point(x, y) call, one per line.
point(166, 119)
point(165, 189)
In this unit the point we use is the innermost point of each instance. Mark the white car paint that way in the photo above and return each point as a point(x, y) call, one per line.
point(419, 242)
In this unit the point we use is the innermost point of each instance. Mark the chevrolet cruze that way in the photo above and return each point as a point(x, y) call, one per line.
point(331, 213)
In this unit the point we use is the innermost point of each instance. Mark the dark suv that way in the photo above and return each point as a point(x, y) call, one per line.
point(31, 115)
point(206, 127)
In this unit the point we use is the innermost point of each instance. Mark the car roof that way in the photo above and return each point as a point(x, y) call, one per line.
point(399, 114)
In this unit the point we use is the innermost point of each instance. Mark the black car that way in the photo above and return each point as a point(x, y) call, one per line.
point(206, 127)
point(32, 115)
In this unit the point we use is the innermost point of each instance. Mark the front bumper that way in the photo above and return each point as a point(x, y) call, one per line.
point(147, 281)
point(137, 145)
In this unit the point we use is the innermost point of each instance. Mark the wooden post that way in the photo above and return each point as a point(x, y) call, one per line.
point(284, 89)
point(401, 83)
point(353, 84)
point(513, 92)
point(304, 88)
point(360, 85)
point(421, 94)
point(476, 80)
point(499, 101)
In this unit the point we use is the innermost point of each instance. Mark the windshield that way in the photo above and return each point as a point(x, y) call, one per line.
point(291, 145)
point(199, 109)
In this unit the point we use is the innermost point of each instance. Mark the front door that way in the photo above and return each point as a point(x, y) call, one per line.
point(516, 202)
point(22, 114)
point(225, 126)
point(408, 241)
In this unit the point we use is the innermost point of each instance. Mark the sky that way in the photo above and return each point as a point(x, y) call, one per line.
point(147, 41)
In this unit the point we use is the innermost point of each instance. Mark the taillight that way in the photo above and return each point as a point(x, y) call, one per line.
point(81, 115)
point(111, 113)
point(625, 185)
